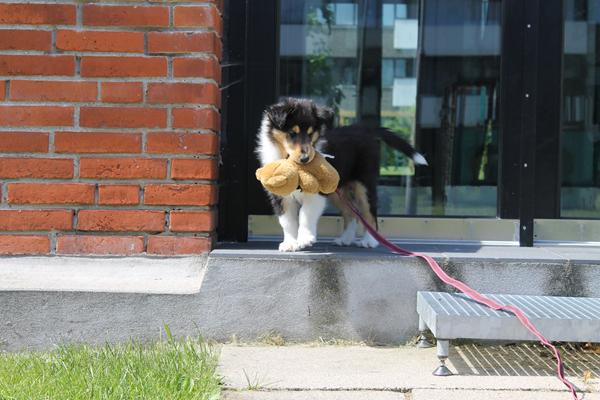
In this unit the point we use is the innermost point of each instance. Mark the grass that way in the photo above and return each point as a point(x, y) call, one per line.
point(167, 370)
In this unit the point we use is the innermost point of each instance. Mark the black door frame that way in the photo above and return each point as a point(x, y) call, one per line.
point(531, 77)
point(529, 144)
point(250, 82)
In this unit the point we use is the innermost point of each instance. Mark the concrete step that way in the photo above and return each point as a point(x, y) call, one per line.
point(252, 290)
point(104, 275)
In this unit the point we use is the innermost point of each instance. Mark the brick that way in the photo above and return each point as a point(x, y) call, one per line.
point(192, 221)
point(195, 118)
point(183, 42)
point(178, 245)
point(37, 65)
point(53, 91)
point(97, 142)
point(37, 14)
point(193, 169)
point(127, 42)
point(187, 1)
point(24, 245)
point(100, 245)
point(25, 39)
point(172, 93)
point(121, 221)
point(197, 17)
point(51, 193)
point(36, 220)
point(182, 143)
point(180, 195)
point(51, 168)
point(122, 66)
point(123, 117)
point(184, 67)
point(122, 168)
point(23, 142)
point(118, 195)
point(122, 92)
point(97, 15)
point(36, 116)
point(2, 90)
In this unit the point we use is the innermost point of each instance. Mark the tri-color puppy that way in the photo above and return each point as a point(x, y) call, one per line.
point(297, 129)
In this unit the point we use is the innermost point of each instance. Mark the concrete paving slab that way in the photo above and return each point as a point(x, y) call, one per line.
point(418, 394)
point(314, 395)
point(424, 394)
point(396, 369)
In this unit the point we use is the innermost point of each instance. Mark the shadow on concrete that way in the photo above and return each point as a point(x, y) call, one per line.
point(526, 359)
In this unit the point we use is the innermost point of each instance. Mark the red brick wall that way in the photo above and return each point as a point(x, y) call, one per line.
point(109, 116)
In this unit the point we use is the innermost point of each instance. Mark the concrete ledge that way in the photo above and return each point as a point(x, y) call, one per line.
point(326, 293)
point(113, 275)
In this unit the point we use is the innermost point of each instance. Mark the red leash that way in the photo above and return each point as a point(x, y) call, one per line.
point(470, 292)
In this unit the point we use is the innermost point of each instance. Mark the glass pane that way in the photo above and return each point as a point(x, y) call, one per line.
point(345, 13)
point(580, 136)
point(318, 53)
point(439, 91)
point(452, 117)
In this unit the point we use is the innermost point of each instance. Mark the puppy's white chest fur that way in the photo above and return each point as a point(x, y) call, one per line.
point(266, 150)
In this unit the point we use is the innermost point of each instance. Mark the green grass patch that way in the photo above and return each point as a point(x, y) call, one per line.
point(167, 370)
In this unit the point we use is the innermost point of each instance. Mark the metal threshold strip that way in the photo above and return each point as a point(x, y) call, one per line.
point(560, 232)
point(407, 230)
point(453, 231)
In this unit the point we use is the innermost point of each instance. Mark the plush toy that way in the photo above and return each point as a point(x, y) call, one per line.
point(282, 177)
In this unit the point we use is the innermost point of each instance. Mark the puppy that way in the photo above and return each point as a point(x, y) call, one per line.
point(297, 129)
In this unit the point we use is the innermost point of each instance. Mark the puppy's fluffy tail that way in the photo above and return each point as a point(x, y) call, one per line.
point(398, 143)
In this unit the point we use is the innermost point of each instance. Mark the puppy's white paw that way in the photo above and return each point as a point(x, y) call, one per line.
point(344, 240)
point(305, 240)
point(347, 237)
point(367, 242)
point(288, 245)
point(340, 242)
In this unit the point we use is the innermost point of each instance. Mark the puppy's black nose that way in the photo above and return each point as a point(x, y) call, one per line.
point(304, 158)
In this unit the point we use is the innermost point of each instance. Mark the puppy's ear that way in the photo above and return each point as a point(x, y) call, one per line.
point(278, 113)
point(324, 116)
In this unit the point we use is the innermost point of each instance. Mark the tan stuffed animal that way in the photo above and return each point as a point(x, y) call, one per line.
point(282, 177)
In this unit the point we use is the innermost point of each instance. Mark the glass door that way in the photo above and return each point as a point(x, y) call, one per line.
point(580, 183)
point(577, 155)
point(501, 96)
point(457, 108)
point(439, 73)
point(429, 70)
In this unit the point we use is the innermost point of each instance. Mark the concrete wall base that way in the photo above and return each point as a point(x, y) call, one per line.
point(363, 296)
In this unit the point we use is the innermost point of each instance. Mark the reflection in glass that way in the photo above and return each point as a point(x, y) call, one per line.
point(438, 90)
point(580, 137)
point(318, 53)
point(453, 116)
